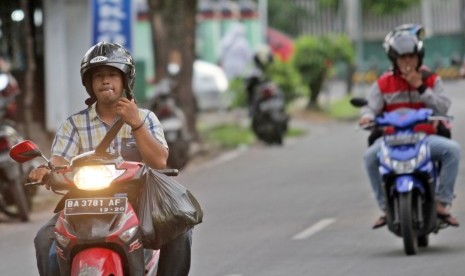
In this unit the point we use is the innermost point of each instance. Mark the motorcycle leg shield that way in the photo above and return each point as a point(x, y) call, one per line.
point(97, 261)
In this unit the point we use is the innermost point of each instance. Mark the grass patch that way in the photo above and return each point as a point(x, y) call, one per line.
point(230, 136)
point(343, 110)
point(295, 132)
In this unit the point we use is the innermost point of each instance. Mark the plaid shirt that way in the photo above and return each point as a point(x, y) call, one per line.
point(83, 131)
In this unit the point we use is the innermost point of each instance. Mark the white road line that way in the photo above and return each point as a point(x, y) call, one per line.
point(314, 229)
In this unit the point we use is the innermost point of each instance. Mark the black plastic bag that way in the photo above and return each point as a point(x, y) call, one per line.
point(166, 209)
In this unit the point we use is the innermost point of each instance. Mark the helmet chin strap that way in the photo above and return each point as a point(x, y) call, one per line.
point(130, 95)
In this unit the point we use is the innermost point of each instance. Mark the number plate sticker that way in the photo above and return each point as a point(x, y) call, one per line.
point(96, 206)
point(271, 104)
point(402, 139)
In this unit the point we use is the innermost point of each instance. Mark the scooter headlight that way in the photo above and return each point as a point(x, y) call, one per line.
point(422, 153)
point(93, 178)
point(409, 166)
point(385, 159)
point(404, 166)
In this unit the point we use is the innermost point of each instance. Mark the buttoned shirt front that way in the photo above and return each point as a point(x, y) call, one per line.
point(83, 131)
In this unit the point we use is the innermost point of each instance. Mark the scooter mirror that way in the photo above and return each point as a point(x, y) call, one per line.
point(25, 151)
point(358, 102)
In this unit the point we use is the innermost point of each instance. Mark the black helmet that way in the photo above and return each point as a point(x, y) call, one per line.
point(405, 39)
point(109, 54)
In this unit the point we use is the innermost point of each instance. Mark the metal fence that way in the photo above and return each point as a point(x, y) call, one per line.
point(438, 17)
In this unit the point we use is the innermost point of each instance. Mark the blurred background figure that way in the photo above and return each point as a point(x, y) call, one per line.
point(235, 52)
point(9, 89)
point(262, 60)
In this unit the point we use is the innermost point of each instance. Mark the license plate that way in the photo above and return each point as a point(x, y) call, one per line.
point(171, 124)
point(271, 104)
point(95, 206)
point(402, 139)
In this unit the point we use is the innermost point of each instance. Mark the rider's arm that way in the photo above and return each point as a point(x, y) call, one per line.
point(435, 97)
point(38, 173)
point(375, 102)
point(151, 142)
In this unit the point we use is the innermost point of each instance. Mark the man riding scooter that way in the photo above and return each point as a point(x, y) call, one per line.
point(410, 85)
point(108, 75)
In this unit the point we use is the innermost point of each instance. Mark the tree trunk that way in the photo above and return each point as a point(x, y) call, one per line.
point(173, 32)
point(30, 70)
point(315, 88)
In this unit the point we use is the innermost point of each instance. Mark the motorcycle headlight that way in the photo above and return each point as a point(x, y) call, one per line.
point(93, 178)
point(385, 159)
point(409, 166)
point(404, 166)
point(422, 153)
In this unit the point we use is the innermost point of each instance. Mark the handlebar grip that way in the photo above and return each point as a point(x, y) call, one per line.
point(37, 183)
point(169, 172)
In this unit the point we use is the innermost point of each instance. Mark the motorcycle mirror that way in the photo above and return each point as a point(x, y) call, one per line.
point(358, 102)
point(25, 151)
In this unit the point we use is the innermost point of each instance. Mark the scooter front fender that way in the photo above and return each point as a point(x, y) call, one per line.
point(407, 183)
point(97, 261)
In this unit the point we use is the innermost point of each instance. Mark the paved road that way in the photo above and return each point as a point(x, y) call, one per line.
point(301, 209)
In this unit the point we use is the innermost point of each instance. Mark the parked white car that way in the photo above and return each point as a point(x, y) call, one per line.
point(209, 85)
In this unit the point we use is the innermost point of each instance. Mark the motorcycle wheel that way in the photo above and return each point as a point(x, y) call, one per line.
point(265, 130)
point(409, 234)
point(178, 154)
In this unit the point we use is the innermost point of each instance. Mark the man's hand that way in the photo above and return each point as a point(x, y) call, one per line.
point(412, 76)
point(128, 111)
point(37, 174)
point(364, 120)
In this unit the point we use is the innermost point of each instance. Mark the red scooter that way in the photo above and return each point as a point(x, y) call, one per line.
point(97, 232)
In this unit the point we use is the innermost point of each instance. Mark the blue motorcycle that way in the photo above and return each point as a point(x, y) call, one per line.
point(410, 177)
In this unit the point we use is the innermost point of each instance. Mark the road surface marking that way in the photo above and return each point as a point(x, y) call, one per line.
point(314, 229)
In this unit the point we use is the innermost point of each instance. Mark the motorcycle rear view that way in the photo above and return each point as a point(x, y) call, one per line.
point(172, 119)
point(15, 199)
point(269, 120)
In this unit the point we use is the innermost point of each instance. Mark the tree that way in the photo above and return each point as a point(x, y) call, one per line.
point(173, 36)
point(30, 69)
point(314, 57)
point(280, 12)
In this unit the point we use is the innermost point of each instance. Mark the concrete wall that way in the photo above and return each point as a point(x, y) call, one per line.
point(67, 38)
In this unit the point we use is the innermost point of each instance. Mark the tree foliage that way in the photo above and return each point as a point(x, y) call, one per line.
point(386, 7)
point(285, 15)
point(314, 57)
point(379, 7)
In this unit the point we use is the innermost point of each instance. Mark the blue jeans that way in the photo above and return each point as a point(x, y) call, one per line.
point(442, 149)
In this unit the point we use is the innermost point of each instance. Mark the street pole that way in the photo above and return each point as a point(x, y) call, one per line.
point(354, 25)
point(263, 11)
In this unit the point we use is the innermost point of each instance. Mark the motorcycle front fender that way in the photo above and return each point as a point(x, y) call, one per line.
point(97, 261)
point(406, 183)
